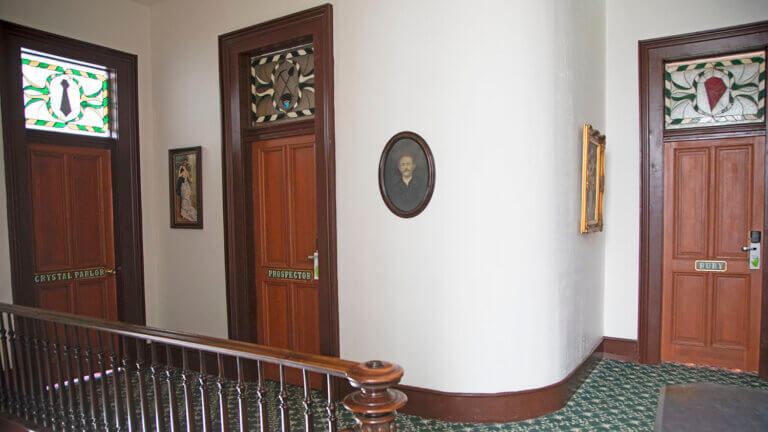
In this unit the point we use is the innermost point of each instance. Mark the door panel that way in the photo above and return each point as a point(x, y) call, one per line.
point(730, 312)
point(73, 228)
point(273, 212)
point(733, 180)
point(691, 203)
point(689, 309)
point(55, 296)
point(276, 313)
point(307, 338)
point(88, 214)
point(304, 220)
point(713, 198)
point(49, 197)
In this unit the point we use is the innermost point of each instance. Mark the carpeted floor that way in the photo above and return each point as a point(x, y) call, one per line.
point(617, 396)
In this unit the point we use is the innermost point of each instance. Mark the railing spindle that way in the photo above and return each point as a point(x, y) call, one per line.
point(88, 355)
point(173, 422)
point(154, 370)
point(42, 406)
point(205, 418)
point(80, 381)
point(331, 407)
point(34, 411)
point(100, 357)
point(5, 390)
point(285, 418)
point(17, 383)
point(307, 402)
point(17, 346)
point(57, 351)
point(45, 345)
point(130, 412)
point(261, 398)
point(189, 409)
point(11, 390)
point(116, 391)
point(140, 348)
point(242, 395)
point(221, 384)
point(73, 424)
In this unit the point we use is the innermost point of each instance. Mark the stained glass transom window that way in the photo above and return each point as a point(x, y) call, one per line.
point(63, 95)
point(283, 85)
point(715, 91)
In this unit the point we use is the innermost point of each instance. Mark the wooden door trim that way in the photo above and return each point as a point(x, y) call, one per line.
point(315, 25)
point(652, 55)
point(129, 253)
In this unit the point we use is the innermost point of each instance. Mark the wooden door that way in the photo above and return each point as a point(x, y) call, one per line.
point(72, 224)
point(713, 198)
point(285, 234)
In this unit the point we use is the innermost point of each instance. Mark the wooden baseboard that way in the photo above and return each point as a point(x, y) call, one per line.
point(497, 407)
point(620, 349)
point(511, 406)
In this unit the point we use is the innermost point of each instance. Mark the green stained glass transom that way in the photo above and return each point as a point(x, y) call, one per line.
point(283, 85)
point(715, 91)
point(63, 95)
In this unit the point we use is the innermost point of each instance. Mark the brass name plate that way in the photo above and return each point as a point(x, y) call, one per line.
point(710, 266)
point(287, 274)
point(90, 273)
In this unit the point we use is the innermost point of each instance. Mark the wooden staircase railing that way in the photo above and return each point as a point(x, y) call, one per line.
point(64, 372)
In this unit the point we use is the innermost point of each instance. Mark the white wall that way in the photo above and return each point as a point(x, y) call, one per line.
point(628, 22)
point(95, 22)
point(491, 288)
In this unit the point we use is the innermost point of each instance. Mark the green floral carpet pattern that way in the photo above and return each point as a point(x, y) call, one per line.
point(617, 396)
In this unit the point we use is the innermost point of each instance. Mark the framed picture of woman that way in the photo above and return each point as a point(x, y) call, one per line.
point(186, 184)
point(406, 174)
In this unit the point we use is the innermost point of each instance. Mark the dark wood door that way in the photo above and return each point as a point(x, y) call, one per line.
point(713, 198)
point(72, 222)
point(285, 233)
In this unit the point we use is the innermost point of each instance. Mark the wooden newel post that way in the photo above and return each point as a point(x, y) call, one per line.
point(375, 403)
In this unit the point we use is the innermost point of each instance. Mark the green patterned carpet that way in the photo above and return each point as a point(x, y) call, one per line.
point(617, 396)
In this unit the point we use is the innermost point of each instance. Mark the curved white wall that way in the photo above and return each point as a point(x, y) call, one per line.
point(491, 288)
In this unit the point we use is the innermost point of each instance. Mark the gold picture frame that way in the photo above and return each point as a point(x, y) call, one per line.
point(592, 179)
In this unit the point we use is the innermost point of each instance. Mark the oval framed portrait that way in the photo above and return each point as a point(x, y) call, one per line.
point(406, 174)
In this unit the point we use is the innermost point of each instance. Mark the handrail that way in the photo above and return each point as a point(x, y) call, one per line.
point(251, 351)
point(28, 338)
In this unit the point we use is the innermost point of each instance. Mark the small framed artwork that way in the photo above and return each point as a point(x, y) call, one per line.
point(406, 174)
point(592, 180)
point(186, 184)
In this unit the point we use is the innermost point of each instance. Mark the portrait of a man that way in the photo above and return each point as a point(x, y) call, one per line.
point(406, 174)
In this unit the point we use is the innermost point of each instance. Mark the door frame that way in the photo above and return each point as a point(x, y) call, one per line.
point(653, 54)
point(124, 148)
point(235, 48)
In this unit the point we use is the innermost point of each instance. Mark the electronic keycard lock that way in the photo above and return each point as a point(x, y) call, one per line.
point(754, 250)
